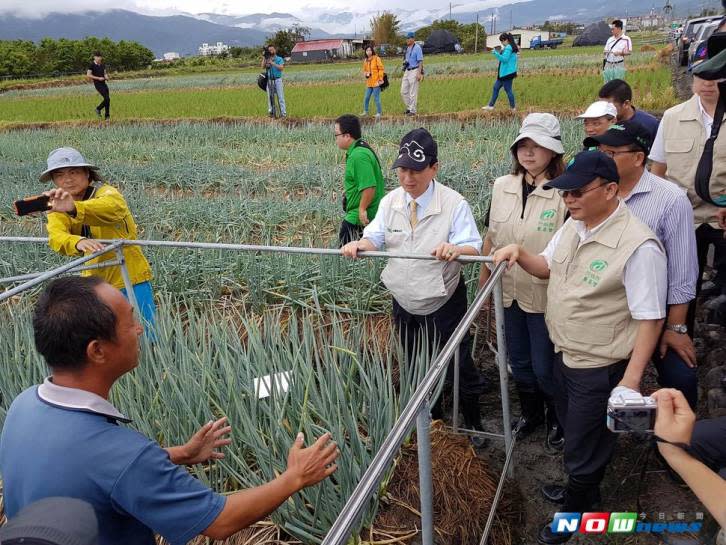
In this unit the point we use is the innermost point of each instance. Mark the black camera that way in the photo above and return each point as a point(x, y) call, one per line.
point(266, 52)
point(405, 65)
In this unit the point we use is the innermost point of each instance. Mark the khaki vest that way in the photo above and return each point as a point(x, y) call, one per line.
point(587, 309)
point(420, 287)
point(543, 216)
point(684, 138)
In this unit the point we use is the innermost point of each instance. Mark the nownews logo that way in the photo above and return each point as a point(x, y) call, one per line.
point(617, 523)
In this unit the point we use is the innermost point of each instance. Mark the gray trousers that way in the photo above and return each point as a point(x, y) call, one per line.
point(409, 89)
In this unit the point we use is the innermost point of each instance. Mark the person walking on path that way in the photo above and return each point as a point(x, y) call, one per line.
point(412, 74)
point(616, 49)
point(373, 72)
point(97, 73)
point(507, 70)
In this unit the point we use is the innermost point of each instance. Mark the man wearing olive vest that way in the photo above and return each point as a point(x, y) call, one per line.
point(429, 297)
point(606, 302)
point(675, 153)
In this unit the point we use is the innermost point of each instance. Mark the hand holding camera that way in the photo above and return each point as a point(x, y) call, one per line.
point(674, 421)
point(630, 411)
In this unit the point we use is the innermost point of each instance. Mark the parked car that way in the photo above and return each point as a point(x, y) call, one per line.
point(697, 50)
point(689, 33)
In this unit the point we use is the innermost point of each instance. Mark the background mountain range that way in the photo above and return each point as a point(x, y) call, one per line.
point(184, 33)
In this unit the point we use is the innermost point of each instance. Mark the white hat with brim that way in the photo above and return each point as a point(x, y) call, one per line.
point(64, 158)
point(543, 130)
point(601, 108)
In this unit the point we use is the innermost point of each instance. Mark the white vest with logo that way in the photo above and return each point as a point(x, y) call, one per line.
point(420, 287)
point(543, 216)
point(587, 308)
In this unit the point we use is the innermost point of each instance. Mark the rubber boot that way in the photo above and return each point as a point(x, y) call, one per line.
point(532, 403)
point(555, 440)
point(472, 419)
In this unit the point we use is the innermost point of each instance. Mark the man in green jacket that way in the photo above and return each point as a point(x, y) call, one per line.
point(363, 183)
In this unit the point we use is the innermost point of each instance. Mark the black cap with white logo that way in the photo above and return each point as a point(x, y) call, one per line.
point(417, 150)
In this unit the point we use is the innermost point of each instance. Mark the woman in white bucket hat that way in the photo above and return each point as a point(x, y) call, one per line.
point(84, 210)
point(523, 212)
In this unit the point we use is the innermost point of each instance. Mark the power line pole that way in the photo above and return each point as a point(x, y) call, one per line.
point(450, 11)
point(476, 32)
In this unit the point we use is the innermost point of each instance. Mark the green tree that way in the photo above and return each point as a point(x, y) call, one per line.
point(384, 29)
point(466, 34)
point(285, 40)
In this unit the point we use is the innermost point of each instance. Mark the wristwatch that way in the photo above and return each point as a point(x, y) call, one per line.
point(678, 328)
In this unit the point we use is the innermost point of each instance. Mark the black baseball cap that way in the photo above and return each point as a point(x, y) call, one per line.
point(417, 150)
point(583, 169)
point(627, 133)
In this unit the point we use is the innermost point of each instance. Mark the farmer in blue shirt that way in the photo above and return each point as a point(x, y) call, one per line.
point(64, 438)
point(507, 70)
point(412, 74)
point(276, 64)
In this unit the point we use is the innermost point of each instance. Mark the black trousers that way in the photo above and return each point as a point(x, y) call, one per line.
point(705, 237)
point(708, 442)
point(581, 399)
point(438, 327)
point(349, 232)
point(102, 89)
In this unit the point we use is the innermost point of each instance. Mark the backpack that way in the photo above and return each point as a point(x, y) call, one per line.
point(385, 83)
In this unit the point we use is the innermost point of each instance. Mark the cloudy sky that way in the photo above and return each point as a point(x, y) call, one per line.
point(40, 8)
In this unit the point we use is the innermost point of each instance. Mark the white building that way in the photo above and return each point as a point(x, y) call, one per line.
point(171, 56)
point(207, 50)
point(522, 36)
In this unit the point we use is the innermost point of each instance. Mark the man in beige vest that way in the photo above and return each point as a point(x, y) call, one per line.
point(676, 150)
point(606, 302)
point(423, 216)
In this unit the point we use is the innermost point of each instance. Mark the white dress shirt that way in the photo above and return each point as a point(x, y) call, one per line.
point(463, 227)
point(645, 275)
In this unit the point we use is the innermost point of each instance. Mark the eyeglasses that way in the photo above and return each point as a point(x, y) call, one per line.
point(337, 134)
point(578, 193)
point(614, 153)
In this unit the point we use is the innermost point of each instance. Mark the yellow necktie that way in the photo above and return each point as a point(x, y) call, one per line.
point(413, 218)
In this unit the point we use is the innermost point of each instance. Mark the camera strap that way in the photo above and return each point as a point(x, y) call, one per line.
point(704, 170)
point(657, 439)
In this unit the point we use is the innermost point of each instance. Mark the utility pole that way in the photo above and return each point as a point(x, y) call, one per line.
point(491, 33)
point(511, 20)
point(476, 32)
point(450, 11)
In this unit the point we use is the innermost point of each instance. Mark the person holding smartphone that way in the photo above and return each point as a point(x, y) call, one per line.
point(83, 209)
point(507, 71)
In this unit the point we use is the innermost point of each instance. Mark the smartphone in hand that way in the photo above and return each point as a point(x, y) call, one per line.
point(29, 205)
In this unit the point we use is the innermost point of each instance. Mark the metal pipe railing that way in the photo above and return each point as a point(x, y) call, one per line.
point(58, 270)
point(24, 277)
point(262, 248)
point(341, 529)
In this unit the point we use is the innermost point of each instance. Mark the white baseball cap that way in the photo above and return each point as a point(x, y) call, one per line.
point(600, 108)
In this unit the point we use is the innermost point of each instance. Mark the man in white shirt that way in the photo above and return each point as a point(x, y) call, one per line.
point(606, 301)
point(675, 154)
point(616, 49)
point(423, 216)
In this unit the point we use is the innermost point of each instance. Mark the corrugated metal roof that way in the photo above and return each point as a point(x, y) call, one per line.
point(316, 45)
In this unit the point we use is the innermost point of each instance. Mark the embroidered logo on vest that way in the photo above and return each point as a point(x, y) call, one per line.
point(546, 223)
point(592, 278)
